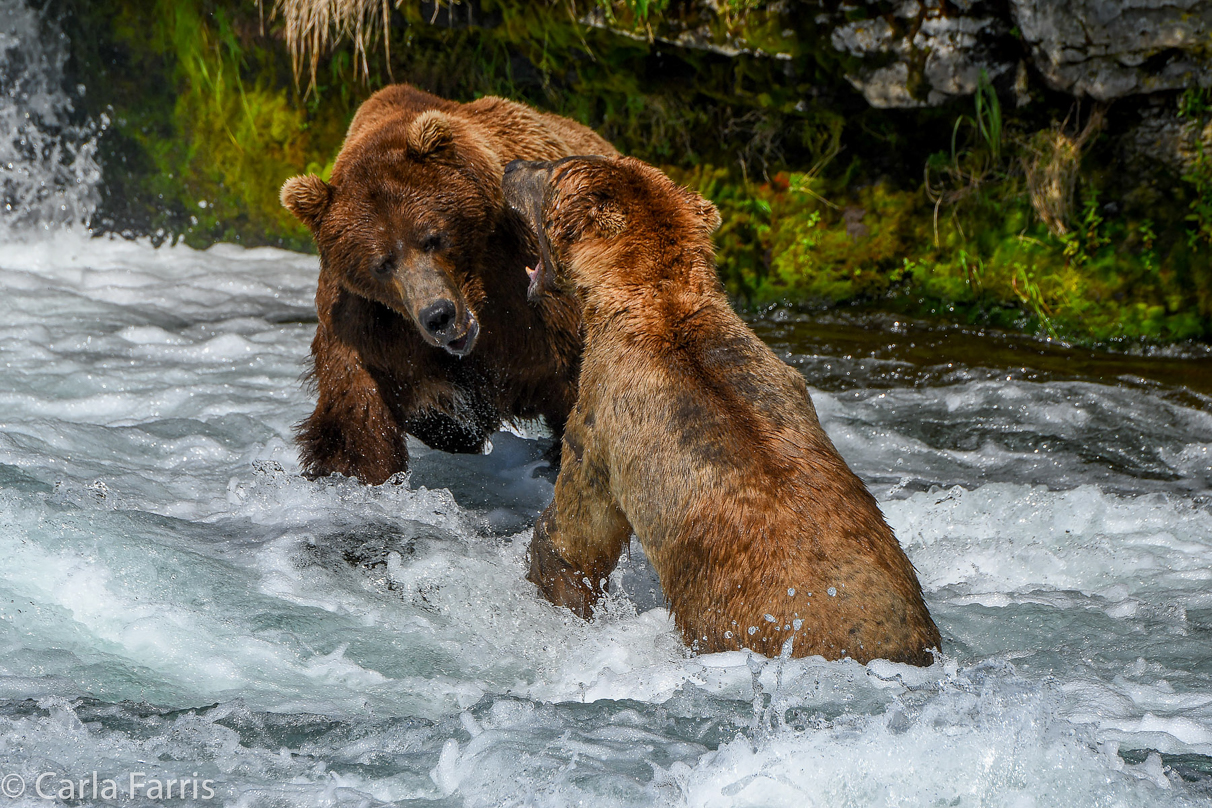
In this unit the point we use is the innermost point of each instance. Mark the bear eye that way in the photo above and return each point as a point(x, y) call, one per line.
point(433, 242)
point(384, 268)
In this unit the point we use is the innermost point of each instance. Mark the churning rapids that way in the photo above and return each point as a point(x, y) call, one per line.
point(177, 602)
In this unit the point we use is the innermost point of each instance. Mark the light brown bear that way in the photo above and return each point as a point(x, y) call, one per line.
point(691, 432)
point(424, 327)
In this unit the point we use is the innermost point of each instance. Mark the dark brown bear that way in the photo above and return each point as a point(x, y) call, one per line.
point(424, 325)
point(691, 432)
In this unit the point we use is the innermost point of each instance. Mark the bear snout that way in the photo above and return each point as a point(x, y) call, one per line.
point(439, 318)
point(442, 324)
point(525, 187)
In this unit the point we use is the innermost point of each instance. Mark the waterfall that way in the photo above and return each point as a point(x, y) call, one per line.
point(49, 174)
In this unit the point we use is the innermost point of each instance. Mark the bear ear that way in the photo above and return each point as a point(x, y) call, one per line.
point(307, 197)
point(608, 219)
point(704, 211)
point(428, 132)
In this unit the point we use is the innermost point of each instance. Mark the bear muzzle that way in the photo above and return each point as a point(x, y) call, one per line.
point(441, 324)
point(425, 291)
point(461, 346)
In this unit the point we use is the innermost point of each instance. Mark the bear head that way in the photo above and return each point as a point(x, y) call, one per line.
point(602, 221)
point(405, 221)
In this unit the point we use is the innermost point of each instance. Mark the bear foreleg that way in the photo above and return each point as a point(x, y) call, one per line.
point(577, 542)
point(352, 430)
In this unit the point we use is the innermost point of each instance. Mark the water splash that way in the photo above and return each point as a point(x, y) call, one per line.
point(49, 174)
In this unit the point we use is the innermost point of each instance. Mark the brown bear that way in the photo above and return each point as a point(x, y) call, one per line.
point(691, 432)
point(424, 327)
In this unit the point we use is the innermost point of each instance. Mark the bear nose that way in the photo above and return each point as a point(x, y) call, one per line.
point(437, 318)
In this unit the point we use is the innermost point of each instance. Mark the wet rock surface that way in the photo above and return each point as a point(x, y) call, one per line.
point(917, 53)
point(923, 54)
point(1162, 137)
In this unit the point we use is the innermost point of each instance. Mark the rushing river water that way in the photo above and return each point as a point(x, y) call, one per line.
point(175, 598)
point(177, 603)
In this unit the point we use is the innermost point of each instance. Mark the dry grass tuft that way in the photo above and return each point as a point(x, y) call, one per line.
point(1050, 162)
point(312, 26)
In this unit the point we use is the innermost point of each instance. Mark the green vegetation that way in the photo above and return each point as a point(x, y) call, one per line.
point(206, 121)
point(987, 238)
point(1022, 219)
point(1195, 105)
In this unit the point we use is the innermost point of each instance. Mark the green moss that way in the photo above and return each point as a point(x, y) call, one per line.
point(790, 241)
point(967, 245)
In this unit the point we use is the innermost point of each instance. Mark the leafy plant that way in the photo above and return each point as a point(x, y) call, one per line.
point(950, 179)
point(1028, 291)
point(1148, 255)
point(988, 118)
point(1082, 244)
point(1199, 177)
point(973, 266)
point(1195, 103)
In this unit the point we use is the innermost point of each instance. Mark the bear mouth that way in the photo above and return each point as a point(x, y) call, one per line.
point(462, 346)
point(525, 185)
point(542, 274)
point(535, 287)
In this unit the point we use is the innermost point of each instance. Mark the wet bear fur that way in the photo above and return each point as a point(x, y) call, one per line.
point(424, 326)
point(689, 431)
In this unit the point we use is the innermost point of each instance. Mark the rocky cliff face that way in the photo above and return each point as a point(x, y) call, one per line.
point(898, 53)
point(923, 53)
point(1109, 49)
point(915, 53)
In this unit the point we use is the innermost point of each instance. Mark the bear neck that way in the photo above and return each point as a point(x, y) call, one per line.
point(649, 301)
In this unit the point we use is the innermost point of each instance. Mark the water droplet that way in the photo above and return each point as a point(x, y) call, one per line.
point(769, 618)
point(752, 630)
point(727, 635)
point(832, 592)
point(795, 624)
point(791, 592)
